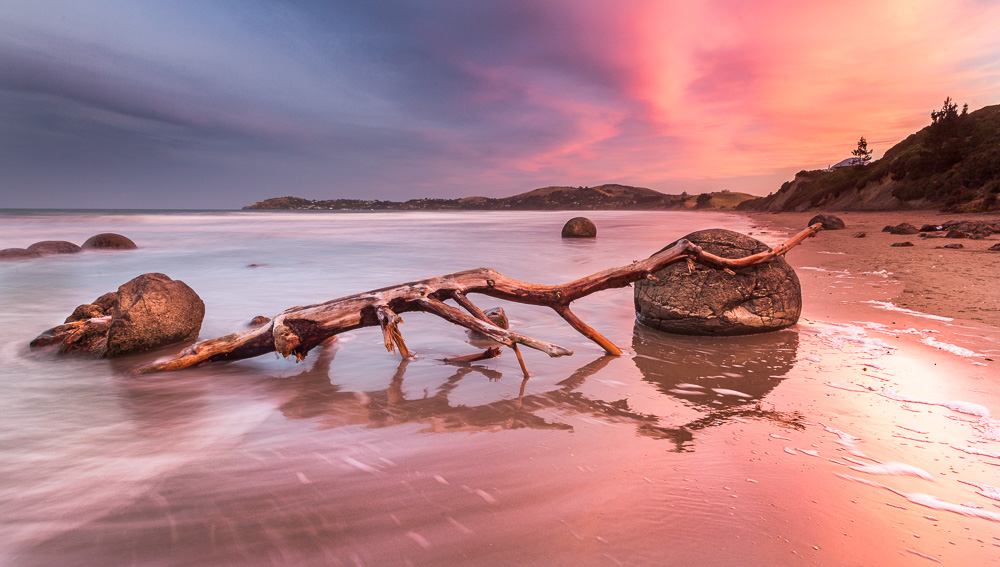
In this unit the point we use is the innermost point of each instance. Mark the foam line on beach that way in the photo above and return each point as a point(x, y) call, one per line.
point(888, 306)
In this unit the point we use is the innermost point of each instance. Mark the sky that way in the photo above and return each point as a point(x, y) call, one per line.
point(194, 104)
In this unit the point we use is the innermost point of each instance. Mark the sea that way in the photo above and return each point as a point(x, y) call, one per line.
point(864, 435)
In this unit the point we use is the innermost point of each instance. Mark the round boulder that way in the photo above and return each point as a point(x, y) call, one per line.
point(579, 227)
point(18, 254)
point(903, 228)
point(153, 310)
point(47, 247)
point(259, 320)
point(146, 312)
point(829, 222)
point(109, 241)
point(707, 301)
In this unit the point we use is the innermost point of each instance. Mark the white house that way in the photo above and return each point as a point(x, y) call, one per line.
point(845, 163)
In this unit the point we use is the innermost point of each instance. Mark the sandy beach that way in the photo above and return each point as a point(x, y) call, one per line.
point(958, 283)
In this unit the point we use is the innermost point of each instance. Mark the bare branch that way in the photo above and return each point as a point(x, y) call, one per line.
point(297, 330)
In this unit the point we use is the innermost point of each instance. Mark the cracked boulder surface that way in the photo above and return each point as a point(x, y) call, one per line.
point(147, 312)
point(700, 300)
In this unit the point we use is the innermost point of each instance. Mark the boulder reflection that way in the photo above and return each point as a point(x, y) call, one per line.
point(725, 376)
point(693, 369)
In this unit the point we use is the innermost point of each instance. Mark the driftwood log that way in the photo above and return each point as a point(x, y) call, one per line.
point(295, 331)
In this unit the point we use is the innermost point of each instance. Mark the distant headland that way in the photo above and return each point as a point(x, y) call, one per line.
point(601, 197)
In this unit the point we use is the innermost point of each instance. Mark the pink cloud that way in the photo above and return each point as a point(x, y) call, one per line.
point(755, 88)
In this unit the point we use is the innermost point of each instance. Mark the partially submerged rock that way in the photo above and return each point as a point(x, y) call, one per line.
point(901, 244)
point(497, 316)
point(48, 247)
point(109, 241)
point(17, 254)
point(147, 312)
point(829, 222)
point(705, 301)
point(259, 320)
point(579, 227)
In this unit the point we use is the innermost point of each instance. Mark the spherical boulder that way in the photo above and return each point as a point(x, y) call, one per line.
point(18, 254)
point(153, 310)
point(829, 222)
point(146, 312)
point(706, 301)
point(47, 247)
point(109, 241)
point(579, 227)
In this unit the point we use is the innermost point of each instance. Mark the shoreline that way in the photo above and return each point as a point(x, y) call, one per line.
point(956, 283)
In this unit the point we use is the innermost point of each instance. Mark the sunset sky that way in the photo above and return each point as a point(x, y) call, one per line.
point(208, 104)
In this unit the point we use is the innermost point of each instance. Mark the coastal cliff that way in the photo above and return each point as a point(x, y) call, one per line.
point(953, 164)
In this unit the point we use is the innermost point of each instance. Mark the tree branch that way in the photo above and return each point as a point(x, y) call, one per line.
point(297, 330)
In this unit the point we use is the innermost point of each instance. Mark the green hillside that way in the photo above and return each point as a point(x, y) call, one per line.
point(953, 164)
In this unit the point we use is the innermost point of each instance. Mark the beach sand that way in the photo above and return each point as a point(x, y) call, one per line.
point(958, 283)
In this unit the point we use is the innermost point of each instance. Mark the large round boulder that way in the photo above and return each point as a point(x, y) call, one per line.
point(109, 241)
point(47, 247)
point(706, 301)
point(147, 312)
point(579, 227)
point(829, 222)
point(153, 310)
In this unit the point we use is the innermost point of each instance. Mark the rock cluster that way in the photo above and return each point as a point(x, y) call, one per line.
point(706, 301)
point(104, 241)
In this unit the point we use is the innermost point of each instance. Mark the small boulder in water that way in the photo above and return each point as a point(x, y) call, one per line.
point(47, 247)
point(17, 254)
point(579, 227)
point(259, 320)
point(707, 301)
point(109, 241)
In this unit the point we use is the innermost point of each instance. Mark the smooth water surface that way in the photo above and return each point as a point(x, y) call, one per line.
point(684, 451)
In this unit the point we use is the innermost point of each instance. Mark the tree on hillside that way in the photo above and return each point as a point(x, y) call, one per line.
point(703, 201)
point(946, 133)
point(948, 112)
point(862, 155)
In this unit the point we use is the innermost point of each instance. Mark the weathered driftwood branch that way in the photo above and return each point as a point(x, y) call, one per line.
point(295, 331)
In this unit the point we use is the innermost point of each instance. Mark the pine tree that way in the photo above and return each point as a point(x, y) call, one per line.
point(862, 155)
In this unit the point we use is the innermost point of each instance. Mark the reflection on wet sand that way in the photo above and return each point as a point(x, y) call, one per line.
point(726, 378)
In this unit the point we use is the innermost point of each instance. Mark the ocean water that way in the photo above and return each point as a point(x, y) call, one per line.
point(815, 443)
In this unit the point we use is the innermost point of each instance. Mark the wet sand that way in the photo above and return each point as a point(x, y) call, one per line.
point(959, 283)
